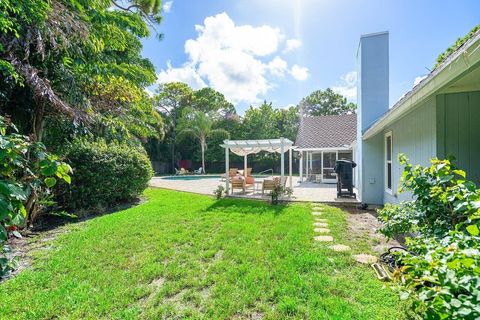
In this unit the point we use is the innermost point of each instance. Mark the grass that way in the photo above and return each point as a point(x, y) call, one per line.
point(181, 255)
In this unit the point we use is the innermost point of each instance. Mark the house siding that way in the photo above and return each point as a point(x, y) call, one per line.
point(458, 118)
point(413, 135)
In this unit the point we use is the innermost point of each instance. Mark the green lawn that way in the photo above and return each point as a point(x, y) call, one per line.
point(181, 255)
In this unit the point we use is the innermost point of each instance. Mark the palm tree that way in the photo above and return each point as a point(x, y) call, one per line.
point(199, 125)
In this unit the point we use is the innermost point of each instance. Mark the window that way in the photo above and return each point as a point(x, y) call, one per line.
point(388, 161)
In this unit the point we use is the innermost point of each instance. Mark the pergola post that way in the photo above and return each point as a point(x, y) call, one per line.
point(301, 166)
point(227, 169)
point(245, 166)
point(290, 165)
point(282, 159)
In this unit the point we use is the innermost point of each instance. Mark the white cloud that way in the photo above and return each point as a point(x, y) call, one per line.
point(278, 67)
point(292, 44)
point(347, 86)
point(167, 6)
point(234, 59)
point(187, 74)
point(418, 80)
point(299, 73)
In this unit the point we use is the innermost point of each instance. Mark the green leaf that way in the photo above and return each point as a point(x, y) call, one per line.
point(3, 233)
point(473, 230)
point(67, 179)
point(50, 182)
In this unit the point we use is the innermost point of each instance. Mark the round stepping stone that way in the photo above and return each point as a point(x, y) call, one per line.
point(365, 258)
point(324, 238)
point(321, 224)
point(316, 213)
point(340, 247)
point(321, 220)
point(321, 230)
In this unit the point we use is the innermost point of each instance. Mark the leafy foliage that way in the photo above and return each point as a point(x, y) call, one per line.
point(79, 59)
point(278, 191)
point(443, 276)
point(219, 193)
point(199, 125)
point(27, 172)
point(105, 173)
point(460, 42)
point(443, 200)
point(326, 102)
point(441, 270)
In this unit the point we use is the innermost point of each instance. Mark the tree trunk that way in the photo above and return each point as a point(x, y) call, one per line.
point(39, 122)
point(202, 144)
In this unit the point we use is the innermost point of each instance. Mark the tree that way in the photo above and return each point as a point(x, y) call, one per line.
point(326, 102)
point(287, 122)
point(199, 125)
point(75, 59)
point(172, 98)
point(210, 100)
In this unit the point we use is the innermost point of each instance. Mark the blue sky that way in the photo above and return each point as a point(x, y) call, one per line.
point(280, 51)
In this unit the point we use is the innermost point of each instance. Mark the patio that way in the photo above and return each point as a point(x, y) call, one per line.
point(303, 192)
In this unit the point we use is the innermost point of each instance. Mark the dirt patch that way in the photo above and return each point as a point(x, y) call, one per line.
point(363, 226)
point(22, 249)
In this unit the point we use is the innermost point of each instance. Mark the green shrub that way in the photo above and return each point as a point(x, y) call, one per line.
point(443, 200)
point(442, 276)
point(27, 172)
point(104, 174)
point(441, 270)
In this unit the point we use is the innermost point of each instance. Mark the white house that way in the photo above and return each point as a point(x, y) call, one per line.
point(440, 116)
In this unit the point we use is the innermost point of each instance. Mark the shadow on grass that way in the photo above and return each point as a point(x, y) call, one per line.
point(245, 206)
point(49, 221)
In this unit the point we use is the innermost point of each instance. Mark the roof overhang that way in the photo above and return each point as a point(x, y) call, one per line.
point(460, 63)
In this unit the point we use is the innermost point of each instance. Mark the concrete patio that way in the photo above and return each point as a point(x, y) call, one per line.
point(306, 191)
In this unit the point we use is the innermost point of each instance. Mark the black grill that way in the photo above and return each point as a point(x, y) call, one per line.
point(344, 171)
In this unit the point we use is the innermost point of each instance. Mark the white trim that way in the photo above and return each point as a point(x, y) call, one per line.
point(386, 162)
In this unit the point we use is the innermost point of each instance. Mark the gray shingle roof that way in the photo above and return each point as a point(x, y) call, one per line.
point(327, 131)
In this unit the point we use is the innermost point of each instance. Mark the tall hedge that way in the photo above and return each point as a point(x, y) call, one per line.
point(104, 174)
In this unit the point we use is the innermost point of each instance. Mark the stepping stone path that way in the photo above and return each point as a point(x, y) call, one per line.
point(365, 258)
point(324, 238)
point(340, 248)
point(321, 226)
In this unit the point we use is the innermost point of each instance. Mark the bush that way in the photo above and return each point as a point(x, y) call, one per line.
point(442, 276)
point(441, 270)
point(220, 192)
point(443, 200)
point(27, 172)
point(104, 174)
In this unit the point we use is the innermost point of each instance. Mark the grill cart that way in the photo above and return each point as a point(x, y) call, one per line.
point(344, 171)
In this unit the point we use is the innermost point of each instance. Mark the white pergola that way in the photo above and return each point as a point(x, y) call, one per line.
point(246, 147)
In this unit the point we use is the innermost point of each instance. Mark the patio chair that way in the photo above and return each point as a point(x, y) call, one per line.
point(269, 184)
point(231, 174)
point(243, 184)
point(180, 172)
point(199, 171)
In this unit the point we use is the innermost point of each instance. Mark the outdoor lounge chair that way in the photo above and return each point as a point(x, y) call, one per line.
point(269, 184)
point(242, 183)
point(199, 171)
point(232, 173)
point(180, 172)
